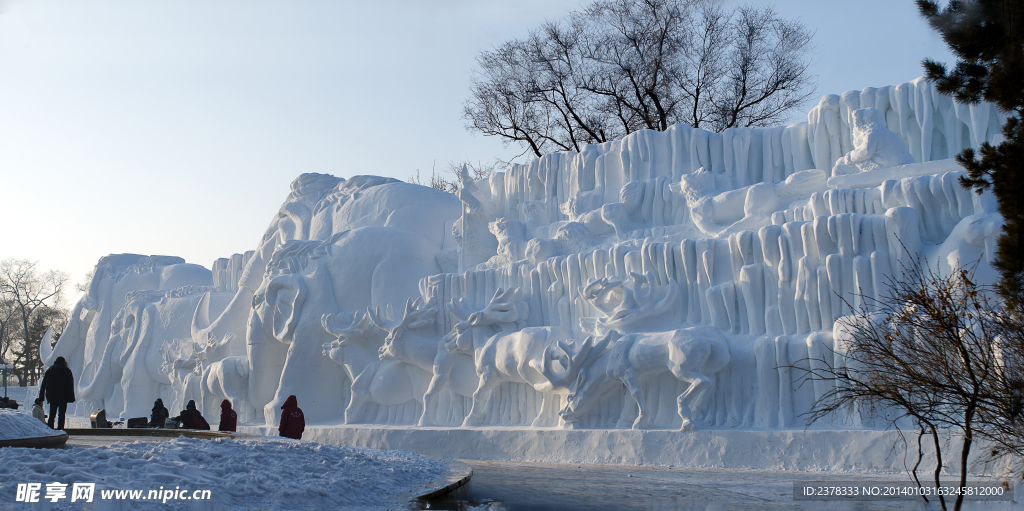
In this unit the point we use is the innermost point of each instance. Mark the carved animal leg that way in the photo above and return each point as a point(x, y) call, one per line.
point(481, 399)
point(360, 397)
point(629, 379)
point(442, 372)
point(542, 419)
point(699, 385)
point(624, 421)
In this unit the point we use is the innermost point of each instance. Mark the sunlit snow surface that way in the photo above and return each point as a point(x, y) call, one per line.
point(16, 424)
point(240, 474)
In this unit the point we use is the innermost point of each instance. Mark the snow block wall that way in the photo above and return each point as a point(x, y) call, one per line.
point(228, 270)
point(932, 126)
point(666, 280)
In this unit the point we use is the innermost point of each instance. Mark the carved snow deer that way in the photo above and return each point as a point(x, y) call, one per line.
point(388, 382)
point(692, 355)
point(410, 340)
point(630, 304)
point(502, 351)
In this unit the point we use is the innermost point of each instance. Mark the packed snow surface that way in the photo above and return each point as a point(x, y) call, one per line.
point(15, 424)
point(240, 474)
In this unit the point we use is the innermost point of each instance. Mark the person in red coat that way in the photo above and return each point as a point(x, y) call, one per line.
point(292, 420)
point(228, 417)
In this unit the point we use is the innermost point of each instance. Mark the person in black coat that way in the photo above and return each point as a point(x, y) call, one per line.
point(160, 414)
point(59, 388)
point(190, 418)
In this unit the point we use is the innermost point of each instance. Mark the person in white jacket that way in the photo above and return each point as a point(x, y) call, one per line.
point(37, 410)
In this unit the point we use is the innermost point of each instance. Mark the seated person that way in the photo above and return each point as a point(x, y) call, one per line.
point(190, 418)
point(160, 414)
point(37, 410)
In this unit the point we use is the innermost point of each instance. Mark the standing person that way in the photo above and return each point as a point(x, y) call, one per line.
point(37, 410)
point(228, 417)
point(59, 388)
point(293, 423)
point(160, 414)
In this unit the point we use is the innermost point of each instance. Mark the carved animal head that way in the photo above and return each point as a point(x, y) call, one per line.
point(344, 330)
point(867, 119)
point(626, 301)
point(575, 400)
point(572, 237)
point(358, 328)
point(695, 186)
point(418, 314)
point(534, 213)
point(579, 391)
point(572, 362)
point(333, 350)
point(505, 307)
point(505, 229)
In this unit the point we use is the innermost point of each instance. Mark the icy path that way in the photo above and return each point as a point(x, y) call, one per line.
point(266, 473)
point(581, 487)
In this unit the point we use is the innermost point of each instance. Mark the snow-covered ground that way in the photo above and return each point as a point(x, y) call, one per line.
point(270, 473)
point(20, 423)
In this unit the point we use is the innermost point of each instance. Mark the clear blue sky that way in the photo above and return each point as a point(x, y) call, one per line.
point(175, 127)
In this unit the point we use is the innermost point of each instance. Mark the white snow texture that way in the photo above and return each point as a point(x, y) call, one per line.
point(15, 424)
point(240, 474)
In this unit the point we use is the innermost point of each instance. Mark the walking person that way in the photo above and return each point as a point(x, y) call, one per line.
point(228, 417)
point(59, 388)
point(293, 423)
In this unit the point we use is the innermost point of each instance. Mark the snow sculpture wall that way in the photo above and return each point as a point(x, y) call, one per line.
point(111, 342)
point(663, 281)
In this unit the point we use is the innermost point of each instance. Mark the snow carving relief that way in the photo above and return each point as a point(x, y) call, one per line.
point(667, 280)
point(874, 145)
point(629, 304)
point(692, 355)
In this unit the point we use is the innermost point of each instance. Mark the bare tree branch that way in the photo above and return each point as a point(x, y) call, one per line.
point(29, 299)
point(936, 352)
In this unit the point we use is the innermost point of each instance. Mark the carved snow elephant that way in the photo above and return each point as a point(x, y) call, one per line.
point(319, 208)
point(306, 279)
point(132, 358)
point(85, 344)
point(322, 205)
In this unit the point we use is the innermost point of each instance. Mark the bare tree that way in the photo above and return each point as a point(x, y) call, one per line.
point(83, 286)
point(26, 293)
point(27, 361)
point(937, 353)
point(620, 66)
